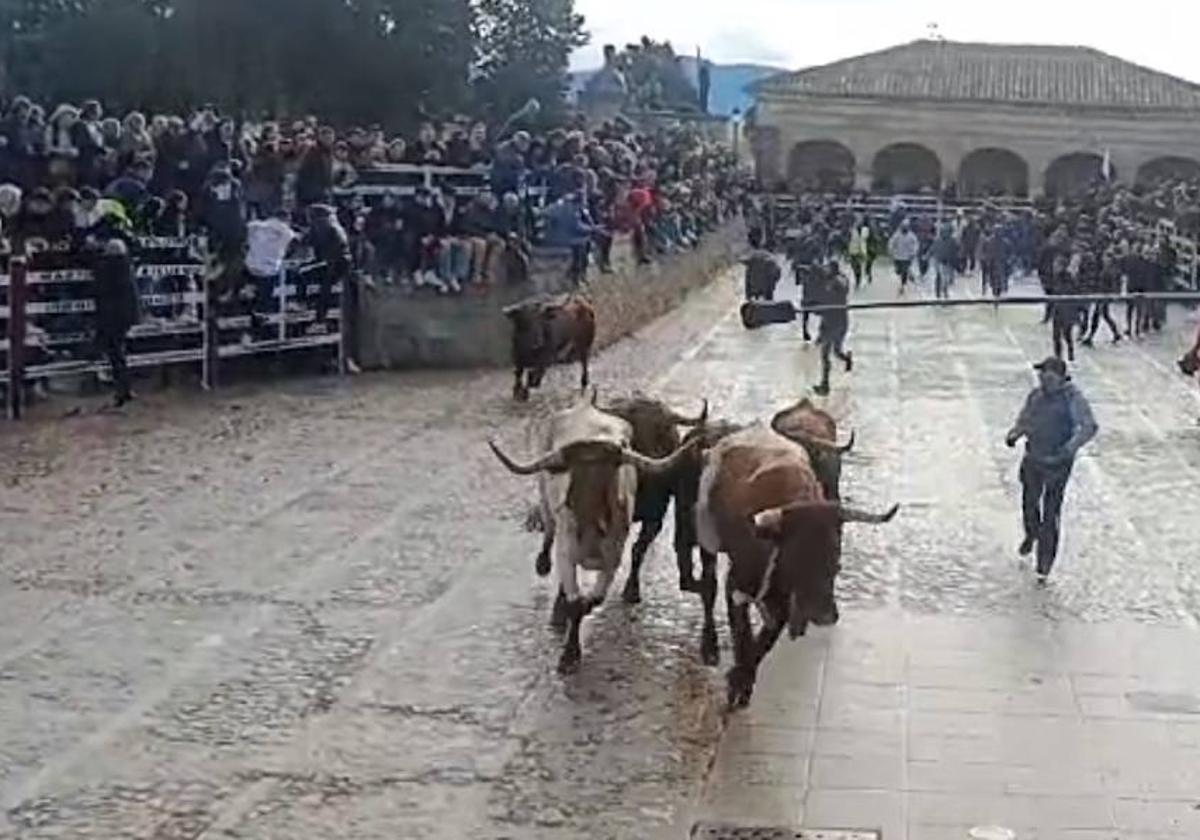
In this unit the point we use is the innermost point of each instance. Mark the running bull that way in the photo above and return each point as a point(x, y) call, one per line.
point(655, 434)
point(549, 332)
point(587, 481)
point(762, 505)
point(655, 431)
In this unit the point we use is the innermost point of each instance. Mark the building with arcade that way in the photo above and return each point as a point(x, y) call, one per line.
point(976, 119)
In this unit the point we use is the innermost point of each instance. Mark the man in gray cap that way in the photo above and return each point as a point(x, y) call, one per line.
point(1056, 422)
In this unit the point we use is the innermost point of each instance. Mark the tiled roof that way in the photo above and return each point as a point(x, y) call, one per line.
point(1011, 73)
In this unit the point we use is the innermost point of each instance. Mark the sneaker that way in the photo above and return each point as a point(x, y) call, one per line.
point(1026, 547)
point(1042, 578)
point(849, 362)
point(821, 390)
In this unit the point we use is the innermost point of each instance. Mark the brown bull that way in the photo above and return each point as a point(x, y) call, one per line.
point(587, 481)
point(551, 332)
point(817, 431)
point(762, 505)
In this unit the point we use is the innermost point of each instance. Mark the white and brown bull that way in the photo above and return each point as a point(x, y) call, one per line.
point(761, 504)
point(587, 482)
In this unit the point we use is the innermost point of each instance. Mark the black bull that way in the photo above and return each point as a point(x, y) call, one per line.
point(547, 333)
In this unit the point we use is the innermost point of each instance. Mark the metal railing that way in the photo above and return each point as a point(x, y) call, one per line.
point(187, 316)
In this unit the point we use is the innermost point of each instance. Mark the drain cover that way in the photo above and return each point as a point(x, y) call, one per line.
point(718, 831)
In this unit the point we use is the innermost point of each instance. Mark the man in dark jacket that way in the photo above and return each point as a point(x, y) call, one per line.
point(1055, 422)
point(88, 139)
point(314, 180)
point(762, 276)
point(835, 323)
point(223, 214)
point(1107, 281)
point(117, 311)
point(331, 256)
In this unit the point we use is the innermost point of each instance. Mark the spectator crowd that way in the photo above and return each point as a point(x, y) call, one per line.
point(1105, 241)
point(79, 174)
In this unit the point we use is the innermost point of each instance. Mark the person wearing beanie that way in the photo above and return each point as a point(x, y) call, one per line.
point(1055, 422)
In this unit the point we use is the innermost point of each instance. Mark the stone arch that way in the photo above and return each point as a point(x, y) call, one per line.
point(1168, 166)
point(993, 171)
point(906, 167)
point(821, 165)
point(1075, 173)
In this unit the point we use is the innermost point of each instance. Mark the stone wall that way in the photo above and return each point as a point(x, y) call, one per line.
point(397, 330)
point(952, 130)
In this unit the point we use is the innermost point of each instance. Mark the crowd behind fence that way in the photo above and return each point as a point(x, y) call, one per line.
point(783, 214)
point(48, 307)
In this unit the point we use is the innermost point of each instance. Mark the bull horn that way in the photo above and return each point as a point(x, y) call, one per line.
point(680, 420)
point(658, 466)
point(849, 444)
point(818, 443)
point(547, 461)
point(850, 514)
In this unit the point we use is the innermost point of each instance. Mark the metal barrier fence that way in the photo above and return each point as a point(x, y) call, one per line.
point(1188, 250)
point(784, 209)
point(402, 181)
point(187, 317)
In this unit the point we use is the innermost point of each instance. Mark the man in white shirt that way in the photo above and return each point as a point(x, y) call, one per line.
point(268, 241)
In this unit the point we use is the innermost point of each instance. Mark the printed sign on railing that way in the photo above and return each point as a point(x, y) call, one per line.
point(47, 313)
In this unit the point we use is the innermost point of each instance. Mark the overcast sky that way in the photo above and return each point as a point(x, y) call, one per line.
point(799, 33)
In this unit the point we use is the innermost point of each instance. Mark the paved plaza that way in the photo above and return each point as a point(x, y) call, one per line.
point(309, 610)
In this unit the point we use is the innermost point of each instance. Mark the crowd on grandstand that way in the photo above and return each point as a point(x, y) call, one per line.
point(72, 171)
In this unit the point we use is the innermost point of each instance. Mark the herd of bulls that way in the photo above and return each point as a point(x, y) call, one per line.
point(766, 495)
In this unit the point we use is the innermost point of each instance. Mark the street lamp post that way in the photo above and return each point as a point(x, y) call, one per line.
point(737, 132)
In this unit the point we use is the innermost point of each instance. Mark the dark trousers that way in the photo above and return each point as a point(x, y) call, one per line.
point(1064, 323)
point(832, 336)
point(603, 241)
point(324, 276)
point(1101, 310)
point(804, 316)
point(903, 271)
point(579, 261)
point(112, 347)
point(1042, 492)
point(857, 263)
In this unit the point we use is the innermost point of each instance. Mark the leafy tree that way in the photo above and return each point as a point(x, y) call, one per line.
point(524, 47)
point(389, 61)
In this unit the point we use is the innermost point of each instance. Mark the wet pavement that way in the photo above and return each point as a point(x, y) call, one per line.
point(955, 693)
point(309, 609)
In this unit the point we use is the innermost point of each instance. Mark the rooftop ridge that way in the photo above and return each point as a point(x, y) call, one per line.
point(994, 72)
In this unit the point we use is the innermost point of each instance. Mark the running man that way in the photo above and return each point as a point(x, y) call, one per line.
point(835, 323)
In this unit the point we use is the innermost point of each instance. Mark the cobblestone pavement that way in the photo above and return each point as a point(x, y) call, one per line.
point(308, 610)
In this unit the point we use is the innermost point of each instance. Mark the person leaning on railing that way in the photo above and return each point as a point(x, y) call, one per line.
point(118, 309)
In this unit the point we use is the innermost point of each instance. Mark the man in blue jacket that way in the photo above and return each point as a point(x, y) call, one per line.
point(1056, 422)
point(568, 225)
